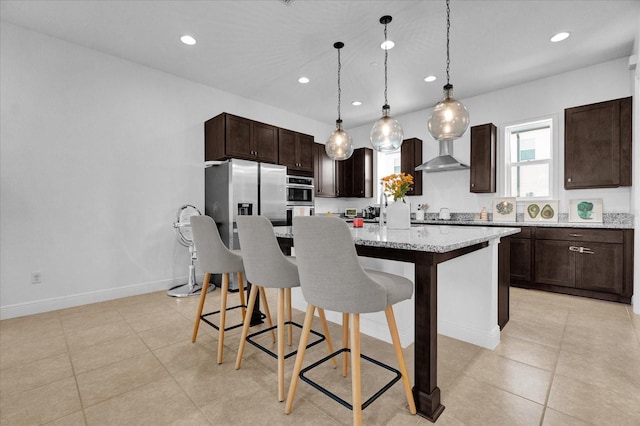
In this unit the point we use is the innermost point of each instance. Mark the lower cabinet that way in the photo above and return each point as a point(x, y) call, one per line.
point(594, 263)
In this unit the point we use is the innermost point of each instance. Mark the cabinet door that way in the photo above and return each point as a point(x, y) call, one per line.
point(344, 176)
point(597, 145)
point(602, 270)
point(286, 148)
point(324, 170)
point(520, 259)
point(264, 142)
point(554, 263)
point(362, 174)
point(238, 137)
point(410, 158)
point(483, 159)
point(304, 152)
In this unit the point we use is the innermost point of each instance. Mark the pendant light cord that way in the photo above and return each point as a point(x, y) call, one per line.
point(448, 28)
point(339, 90)
point(386, 55)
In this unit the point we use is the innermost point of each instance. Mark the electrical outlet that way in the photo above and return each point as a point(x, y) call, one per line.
point(36, 277)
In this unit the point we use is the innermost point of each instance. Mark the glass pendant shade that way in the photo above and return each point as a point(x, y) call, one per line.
point(449, 119)
point(386, 134)
point(339, 146)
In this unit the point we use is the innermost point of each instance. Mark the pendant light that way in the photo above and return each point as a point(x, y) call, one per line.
point(450, 118)
point(386, 134)
point(339, 146)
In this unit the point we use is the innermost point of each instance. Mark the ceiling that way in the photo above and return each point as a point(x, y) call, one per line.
point(258, 49)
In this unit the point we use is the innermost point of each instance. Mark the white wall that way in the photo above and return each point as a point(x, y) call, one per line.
point(97, 154)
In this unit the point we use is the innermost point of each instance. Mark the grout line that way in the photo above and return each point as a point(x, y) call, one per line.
point(553, 372)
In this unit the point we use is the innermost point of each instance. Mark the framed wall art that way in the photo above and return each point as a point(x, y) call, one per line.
point(504, 209)
point(585, 210)
point(541, 211)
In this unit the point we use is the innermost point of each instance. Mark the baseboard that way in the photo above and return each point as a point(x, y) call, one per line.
point(63, 302)
point(482, 338)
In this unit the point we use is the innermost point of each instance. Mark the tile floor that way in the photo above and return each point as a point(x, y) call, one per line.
point(562, 361)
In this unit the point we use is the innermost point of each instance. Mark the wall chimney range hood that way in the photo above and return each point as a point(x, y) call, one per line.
point(444, 161)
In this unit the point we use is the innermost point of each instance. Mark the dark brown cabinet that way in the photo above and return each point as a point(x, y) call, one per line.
point(597, 144)
point(594, 263)
point(229, 136)
point(483, 159)
point(324, 172)
point(410, 158)
point(295, 150)
point(354, 176)
point(521, 255)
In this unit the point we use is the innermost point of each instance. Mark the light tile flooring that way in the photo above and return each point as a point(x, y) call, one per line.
point(562, 360)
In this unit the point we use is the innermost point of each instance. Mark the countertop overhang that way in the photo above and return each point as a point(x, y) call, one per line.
point(428, 238)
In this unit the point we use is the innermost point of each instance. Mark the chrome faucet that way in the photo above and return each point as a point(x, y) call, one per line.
point(383, 206)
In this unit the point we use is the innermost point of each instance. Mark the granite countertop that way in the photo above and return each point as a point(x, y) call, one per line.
point(610, 221)
point(429, 238)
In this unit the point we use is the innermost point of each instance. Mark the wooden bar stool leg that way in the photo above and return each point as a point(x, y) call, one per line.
point(223, 314)
point(356, 389)
point(287, 300)
point(280, 319)
point(345, 344)
point(302, 346)
point(327, 335)
point(241, 294)
point(263, 298)
point(245, 327)
point(203, 296)
point(393, 329)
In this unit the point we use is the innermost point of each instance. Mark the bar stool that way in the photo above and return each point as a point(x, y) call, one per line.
point(332, 278)
point(216, 258)
point(267, 267)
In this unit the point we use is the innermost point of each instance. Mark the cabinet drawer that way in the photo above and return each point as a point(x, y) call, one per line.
point(525, 232)
point(580, 234)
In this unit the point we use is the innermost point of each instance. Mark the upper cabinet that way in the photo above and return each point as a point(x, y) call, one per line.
point(295, 150)
point(597, 145)
point(324, 172)
point(410, 158)
point(228, 136)
point(483, 159)
point(355, 175)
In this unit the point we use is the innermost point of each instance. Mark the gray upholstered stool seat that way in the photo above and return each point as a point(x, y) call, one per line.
point(267, 267)
point(332, 278)
point(215, 258)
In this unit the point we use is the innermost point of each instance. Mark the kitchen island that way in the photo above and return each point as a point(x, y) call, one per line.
point(469, 288)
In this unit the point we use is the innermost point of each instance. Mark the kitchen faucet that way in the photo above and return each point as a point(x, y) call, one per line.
point(383, 206)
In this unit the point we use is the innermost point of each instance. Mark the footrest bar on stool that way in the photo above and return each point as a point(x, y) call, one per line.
point(336, 397)
point(290, 354)
point(202, 317)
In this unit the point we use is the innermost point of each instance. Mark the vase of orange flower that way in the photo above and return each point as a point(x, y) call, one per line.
point(399, 212)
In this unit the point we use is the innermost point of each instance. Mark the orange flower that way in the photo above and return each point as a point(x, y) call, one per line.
point(397, 185)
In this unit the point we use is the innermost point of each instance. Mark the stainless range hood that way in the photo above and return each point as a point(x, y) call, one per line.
point(444, 161)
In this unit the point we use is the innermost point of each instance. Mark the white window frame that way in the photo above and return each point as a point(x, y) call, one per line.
point(379, 174)
point(506, 163)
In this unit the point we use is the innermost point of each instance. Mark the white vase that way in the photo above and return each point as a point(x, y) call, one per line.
point(398, 215)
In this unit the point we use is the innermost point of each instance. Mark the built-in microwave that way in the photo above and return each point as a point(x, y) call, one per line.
point(300, 191)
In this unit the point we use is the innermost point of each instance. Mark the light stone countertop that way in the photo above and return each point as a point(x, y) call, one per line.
point(429, 238)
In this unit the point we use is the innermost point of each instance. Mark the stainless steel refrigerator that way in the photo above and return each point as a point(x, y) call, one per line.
point(240, 187)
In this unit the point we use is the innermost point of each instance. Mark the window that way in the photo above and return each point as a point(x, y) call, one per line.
point(529, 155)
point(388, 163)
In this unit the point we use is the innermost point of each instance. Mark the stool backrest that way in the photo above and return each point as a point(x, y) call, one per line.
point(330, 275)
point(265, 264)
point(214, 257)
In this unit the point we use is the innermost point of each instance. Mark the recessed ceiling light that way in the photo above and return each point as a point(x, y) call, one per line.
point(188, 40)
point(430, 78)
point(303, 80)
point(559, 37)
point(387, 45)
point(356, 103)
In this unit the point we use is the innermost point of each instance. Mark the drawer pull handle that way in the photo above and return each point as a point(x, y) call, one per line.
point(575, 235)
point(585, 250)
